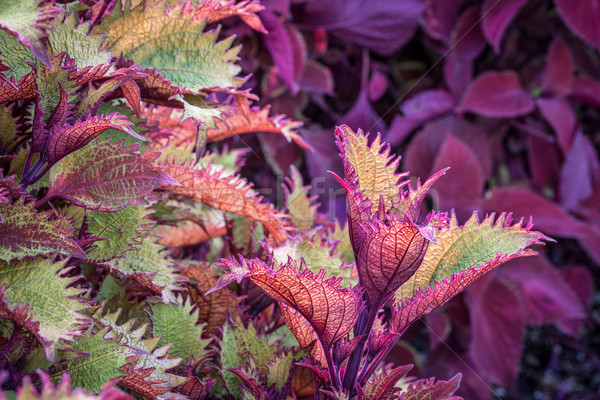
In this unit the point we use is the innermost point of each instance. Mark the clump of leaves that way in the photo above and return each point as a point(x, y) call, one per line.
point(123, 218)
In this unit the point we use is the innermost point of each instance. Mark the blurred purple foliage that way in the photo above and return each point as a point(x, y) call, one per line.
point(506, 93)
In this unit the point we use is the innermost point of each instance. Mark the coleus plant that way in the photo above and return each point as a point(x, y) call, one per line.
point(109, 256)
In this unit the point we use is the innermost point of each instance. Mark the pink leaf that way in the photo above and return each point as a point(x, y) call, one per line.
point(558, 75)
point(463, 187)
point(544, 159)
point(561, 117)
point(467, 41)
point(583, 18)
point(431, 390)
point(498, 330)
point(497, 15)
point(439, 18)
point(496, 95)
point(316, 78)
point(549, 218)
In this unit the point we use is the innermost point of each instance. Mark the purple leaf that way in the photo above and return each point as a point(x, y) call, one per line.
point(363, 115)
point(497, 15)
point(418, 109)
point(544, 159)
point(558, 75)
point(287, 48)
point(560, 116)
point(549, 218)
point(439, 18)
point(498, 329)
point(458, 73)
point(463, 187)
point(546, 296)
point(316, 78)
point(378, 84)
point(467, 40)
point(586, 90)
point(576, 173)
point(496, 95)
point(583, 18)
point(353, 21)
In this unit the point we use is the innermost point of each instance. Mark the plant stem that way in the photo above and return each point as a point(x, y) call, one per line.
point(333, 373)
point(354, 361)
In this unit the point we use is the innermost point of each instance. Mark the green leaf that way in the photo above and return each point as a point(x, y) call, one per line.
point(73, 39)
point(50, 83)
point(106, 176)
point(26, 233)
point(173, 43)
point(121, 231)
point(15, 55)
point(459, 248)
point(318, 254)
point(8, 130)
point(282, 366)
point(51, 309)
point(371, 168)
point(236, 347)
point(149, 266)
point(28, 20)
point(200, 110)
point(177, 325)
point(100, 355)
point(301, 207)
point(147, 375)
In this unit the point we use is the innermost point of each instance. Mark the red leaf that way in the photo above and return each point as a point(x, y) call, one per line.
point(583, 18)
point(496, 95)
point(64, 140)
point(558, 75)
point(464, 185)
point(498, 330)
point(497, 15)
point(331, 311)
point(388, 255)
point(549, 218)
point(561, 117)
point(431, 390)
point(383, 387)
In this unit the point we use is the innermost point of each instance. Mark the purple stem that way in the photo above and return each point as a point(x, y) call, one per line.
point(354, 363)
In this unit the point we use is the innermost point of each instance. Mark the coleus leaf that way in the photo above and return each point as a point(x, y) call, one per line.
point(213, 307)
point(29, 391)
point(28, 22)
point(16, 58)
point(461, 255)
point(558, 75)
point(64, 140)
point(300, 206)
point(331, 311)
point(227, 193)
point(24, 89)
point(383, 387)
point(52, 84)
point(496, 16)
point(561, 117)
point(238, 345)
point(582, 18)
point(188, 233)
point(176, 324)
point(73, 38)
point(256, 120)
point(106, 176)
point(146, 374)
point(34, 297)
point(431, 390)
point(317, 254)
point(148, 266)
point(119, 231)
point(388, 256)
point(216, 10)
point(370, 169)
point(96, 360)
point(172, 42)
point(26, 233)
point(496, 95)
point(8, 130)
